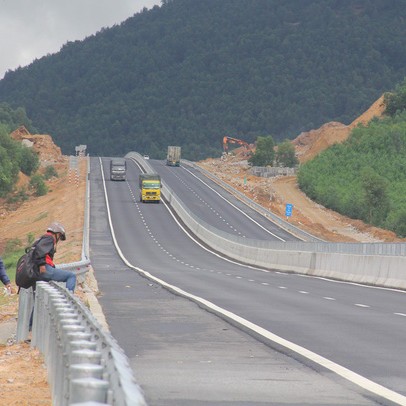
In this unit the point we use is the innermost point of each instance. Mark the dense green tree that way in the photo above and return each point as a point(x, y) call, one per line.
point(285, 155)
point(375, 193)
point(397, 222)
point(14, 157)
point(28, 160)
point(9, 164)
point(189, 72)
point(37, 184)
point(396, 102)
point(14, 118)
point(264, 152)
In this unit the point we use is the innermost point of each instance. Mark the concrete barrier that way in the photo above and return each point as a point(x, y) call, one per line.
point(316, 259)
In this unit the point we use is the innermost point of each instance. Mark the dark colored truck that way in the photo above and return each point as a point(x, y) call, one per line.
point(118, 169)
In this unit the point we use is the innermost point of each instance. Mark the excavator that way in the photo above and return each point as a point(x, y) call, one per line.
point(231, 140)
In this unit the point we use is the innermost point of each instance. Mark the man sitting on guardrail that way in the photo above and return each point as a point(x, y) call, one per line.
point(44, 255)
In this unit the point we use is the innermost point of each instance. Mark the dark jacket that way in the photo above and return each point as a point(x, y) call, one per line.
point(3, 276)
point(45, 249)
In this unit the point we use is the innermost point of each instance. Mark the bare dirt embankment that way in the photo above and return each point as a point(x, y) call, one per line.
point(23, 378)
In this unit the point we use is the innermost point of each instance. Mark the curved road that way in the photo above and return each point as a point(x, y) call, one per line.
point(359, 328)
point(217, 207)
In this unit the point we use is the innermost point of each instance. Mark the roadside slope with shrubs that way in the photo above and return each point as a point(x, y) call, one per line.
point(365, 177)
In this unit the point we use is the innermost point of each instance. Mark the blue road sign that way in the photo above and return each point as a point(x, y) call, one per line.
point(288, 210)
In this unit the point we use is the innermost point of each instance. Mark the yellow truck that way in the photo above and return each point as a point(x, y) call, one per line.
point(150, 187)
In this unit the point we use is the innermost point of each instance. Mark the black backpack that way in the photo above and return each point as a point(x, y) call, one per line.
point(27, 272)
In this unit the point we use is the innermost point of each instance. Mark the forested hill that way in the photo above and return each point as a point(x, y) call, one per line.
point(189, 72)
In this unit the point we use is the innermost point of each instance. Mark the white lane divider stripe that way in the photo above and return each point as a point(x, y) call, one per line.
point(326, 363)
point(351, 376)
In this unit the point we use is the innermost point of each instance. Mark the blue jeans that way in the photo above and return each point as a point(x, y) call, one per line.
point(59, 275)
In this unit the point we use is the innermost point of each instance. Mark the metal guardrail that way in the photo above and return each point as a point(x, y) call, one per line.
point(84, 362)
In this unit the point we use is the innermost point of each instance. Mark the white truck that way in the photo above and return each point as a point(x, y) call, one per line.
point(173, 157)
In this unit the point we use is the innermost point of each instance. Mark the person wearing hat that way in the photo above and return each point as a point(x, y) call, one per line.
point(4, 277)
point(44, 253)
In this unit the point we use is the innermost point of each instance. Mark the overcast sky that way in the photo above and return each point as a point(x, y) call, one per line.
point(30, 29)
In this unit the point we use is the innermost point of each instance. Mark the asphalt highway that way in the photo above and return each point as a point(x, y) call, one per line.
point(216, 206)
point(185, 355)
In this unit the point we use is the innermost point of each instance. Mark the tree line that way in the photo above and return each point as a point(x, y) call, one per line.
point(191, 72)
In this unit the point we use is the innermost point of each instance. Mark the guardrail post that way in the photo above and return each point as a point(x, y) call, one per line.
point(69, 335)
point(89, 389)
point(80, 371)
point(69, 347)
point(25, 305)
point(64, 327)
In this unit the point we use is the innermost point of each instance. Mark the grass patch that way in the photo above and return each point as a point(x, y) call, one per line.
point(10, 262)
point(41, 216)
point(13, 251)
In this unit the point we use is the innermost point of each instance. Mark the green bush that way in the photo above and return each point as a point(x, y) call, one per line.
point(38, 185)
point(365, 177)
point(29, 161)
point(14, 157)
point(20, 196)
point(10, 261)
point(50, 172)
point(285, 155)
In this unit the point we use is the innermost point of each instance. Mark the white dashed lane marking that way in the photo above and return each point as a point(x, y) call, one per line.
point(210, 207)
point(195, 268)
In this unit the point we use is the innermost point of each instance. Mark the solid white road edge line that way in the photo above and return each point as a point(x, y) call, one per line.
point(235, 207)
point(332, 366)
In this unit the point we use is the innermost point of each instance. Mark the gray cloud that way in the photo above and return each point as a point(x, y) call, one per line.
point(30, 29)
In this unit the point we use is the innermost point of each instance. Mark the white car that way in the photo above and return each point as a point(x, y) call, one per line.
point(146, 156)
